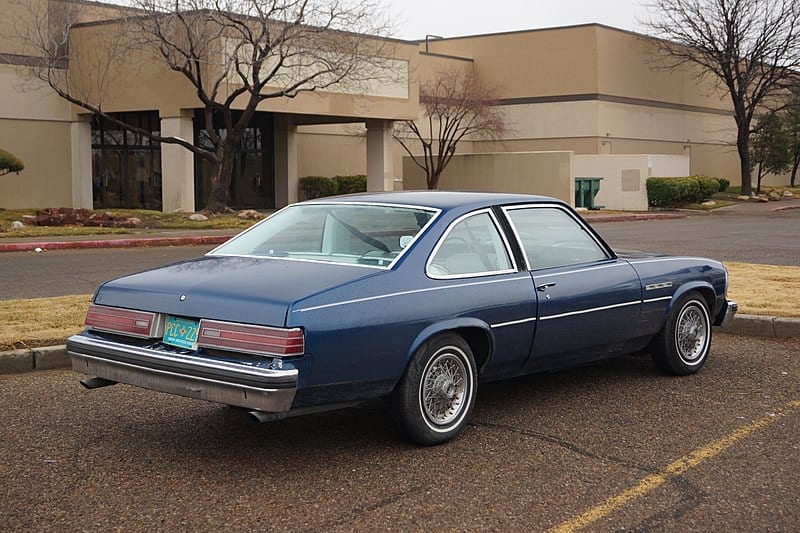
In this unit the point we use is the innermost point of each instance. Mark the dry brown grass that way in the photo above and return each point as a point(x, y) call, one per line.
point(759, 290)
point(41, 321)
point(765, 289)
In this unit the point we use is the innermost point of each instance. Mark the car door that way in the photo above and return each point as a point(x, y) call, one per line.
point(474, 257)
point(589, 301)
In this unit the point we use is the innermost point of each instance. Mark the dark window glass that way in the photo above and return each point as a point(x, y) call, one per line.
point(126, 166)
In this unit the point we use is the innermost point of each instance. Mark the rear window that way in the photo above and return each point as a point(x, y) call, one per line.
point(372, 235)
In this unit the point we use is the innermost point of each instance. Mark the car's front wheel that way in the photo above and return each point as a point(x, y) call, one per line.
point(435, 396)
point(683, 344)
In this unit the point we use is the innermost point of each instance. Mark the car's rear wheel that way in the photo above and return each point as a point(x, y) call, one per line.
point(435, 396)
point(682, 346)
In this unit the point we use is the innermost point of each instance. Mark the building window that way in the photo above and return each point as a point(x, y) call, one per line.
point(126, 166)
point(252, 182)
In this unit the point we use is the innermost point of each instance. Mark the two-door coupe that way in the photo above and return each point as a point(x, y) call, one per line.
point(415, 296)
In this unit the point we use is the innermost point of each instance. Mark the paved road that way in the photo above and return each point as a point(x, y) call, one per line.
point(63, 272)
point(713, 452)
point(756, 237)
point(751, 237)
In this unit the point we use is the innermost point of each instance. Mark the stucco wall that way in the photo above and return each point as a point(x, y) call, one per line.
point(546, 173)
point(44, 147)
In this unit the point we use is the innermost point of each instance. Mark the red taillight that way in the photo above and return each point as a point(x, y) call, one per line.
point(260, 340)
point(125, 321)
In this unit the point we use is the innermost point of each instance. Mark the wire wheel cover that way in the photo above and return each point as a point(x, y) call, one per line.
point(691, 333)
point(444, 388)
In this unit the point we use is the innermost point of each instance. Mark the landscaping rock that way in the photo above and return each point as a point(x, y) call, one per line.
point(249, 214)
point(197, 217)
point(17, 225)
point(29, 220)
point(743, 198)
point(788, 194)
point(131, 222)
point(763, 199)
point(773, 196)
point(582, 209)
point(709, 203)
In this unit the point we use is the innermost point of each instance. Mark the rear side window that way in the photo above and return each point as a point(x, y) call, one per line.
point(472, 246)
point(551, 238)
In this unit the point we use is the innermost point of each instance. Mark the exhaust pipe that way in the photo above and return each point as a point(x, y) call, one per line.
point(96, 383)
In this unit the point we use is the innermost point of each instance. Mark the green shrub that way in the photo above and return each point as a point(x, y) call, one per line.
point(351, 184)
point(10, 163)
point(318, 186)
point(723, 184)
point(672, 192)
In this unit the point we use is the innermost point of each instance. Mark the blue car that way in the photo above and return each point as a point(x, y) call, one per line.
point(413, 296)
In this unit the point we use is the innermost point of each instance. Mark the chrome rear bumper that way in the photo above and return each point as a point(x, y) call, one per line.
point(248, 386)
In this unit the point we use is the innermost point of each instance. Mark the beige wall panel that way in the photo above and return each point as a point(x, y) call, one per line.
point(18, 16)
point(330, 155)
point(28, 100)
point(585, 145)
point(142, 82)
point(44, 147)
point(658, 124)
point(721, 161)
point(547, 173)
point(557, 119)
point(627, 67)
point(532, 63)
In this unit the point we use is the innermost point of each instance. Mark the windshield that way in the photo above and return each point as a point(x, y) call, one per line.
point(362, 234)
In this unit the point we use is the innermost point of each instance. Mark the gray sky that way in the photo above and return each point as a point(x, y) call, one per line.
point(448, 18)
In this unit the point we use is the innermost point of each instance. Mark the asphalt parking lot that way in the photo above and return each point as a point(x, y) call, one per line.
point(607, 447)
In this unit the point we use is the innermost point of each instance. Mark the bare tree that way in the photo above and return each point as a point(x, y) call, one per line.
point(455, 105)
point(751, 48)
point(234, 53)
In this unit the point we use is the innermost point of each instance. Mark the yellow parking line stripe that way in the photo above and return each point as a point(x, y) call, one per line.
point(674, 469)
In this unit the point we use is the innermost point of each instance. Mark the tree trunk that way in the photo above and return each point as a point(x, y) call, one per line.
point(743, 145)
point(219, 196)
point(433, 180)
point(758, 180)
point(794, 171)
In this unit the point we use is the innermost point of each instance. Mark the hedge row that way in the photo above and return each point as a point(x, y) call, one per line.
point(320, 186)
point(672, 192)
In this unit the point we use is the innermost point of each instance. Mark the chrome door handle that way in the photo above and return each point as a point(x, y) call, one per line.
point(545, 286)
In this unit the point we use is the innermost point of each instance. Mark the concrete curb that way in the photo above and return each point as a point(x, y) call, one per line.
point(53, 357)
point(27, 360)
point(114, 243)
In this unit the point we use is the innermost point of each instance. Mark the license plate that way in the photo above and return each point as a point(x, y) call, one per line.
point(181, 332)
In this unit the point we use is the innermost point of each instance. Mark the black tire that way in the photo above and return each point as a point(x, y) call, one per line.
point(682, 346)
point(444, 368)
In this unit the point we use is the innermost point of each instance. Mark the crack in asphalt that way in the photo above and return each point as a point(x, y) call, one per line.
point(355, 512)
point(690, 495)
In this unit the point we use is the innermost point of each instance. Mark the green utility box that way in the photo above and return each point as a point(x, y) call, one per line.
point(585, 191)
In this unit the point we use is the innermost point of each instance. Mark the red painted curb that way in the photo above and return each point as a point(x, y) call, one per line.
point(786, 208)
point(114, 243)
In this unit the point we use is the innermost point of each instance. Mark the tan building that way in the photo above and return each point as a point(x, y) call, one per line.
point(582, 90)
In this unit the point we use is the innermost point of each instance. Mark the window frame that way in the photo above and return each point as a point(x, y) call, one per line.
point(504, 238)
point(609, 253)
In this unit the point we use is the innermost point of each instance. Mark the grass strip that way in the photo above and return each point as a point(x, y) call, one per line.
point(759, 289)
point(41, 321)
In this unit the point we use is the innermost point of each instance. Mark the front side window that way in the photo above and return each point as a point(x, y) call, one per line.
point(360, 234)
point(551, 238)
point(472, 247)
